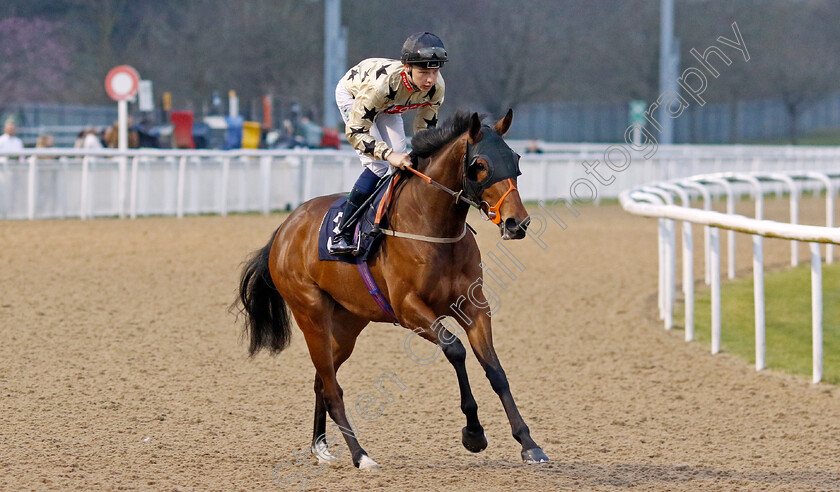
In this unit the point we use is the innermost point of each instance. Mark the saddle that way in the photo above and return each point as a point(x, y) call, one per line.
point(367, 232)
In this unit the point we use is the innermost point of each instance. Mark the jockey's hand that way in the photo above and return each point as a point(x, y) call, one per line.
point(399, 160)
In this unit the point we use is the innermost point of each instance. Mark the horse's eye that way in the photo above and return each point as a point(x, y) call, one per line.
point(475, 168)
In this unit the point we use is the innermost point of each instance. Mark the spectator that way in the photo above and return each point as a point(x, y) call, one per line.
point(8, 141)
point(145, 138)
point(112, 135)
point(286, 135)
point(533, 148)
point(80, 140)
point(45, 141)
point(311, 133)
point(91, 140)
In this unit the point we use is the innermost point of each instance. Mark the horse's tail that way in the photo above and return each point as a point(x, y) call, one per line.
point(266, 315)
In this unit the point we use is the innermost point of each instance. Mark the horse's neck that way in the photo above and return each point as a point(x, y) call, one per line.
point(427, 210)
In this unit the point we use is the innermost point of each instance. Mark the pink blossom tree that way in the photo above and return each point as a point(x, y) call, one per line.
point(34, 63)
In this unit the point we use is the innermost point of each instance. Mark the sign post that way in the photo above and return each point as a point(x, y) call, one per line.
point(145, 96)
point(637, 119)
point(121, 84)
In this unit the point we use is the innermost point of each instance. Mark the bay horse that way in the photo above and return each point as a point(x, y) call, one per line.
point(420, 279)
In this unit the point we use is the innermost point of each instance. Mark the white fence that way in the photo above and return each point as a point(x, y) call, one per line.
point(57, 183)
point(657, 200)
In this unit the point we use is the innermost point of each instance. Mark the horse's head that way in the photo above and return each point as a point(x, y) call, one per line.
point(491, 169)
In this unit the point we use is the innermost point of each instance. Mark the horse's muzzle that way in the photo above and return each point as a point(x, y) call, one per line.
point(514, 229)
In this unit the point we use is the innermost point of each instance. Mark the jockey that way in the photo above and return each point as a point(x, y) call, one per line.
point(371, 98)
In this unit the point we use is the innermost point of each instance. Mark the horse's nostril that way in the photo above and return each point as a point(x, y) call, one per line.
point(512, 225)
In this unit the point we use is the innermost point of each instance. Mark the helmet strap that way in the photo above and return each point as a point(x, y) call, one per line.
point(411, 75)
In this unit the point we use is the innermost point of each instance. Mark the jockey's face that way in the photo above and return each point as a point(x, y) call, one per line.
point(423, 78)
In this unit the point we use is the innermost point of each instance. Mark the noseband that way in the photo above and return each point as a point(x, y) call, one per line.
point(492, 213)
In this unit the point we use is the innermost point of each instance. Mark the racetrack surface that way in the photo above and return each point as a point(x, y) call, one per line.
point(121, 369)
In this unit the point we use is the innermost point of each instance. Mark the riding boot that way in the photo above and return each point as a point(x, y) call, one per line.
point(343, 243)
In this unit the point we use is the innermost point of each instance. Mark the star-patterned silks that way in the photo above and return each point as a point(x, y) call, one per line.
point(369, 146)
point(370, 114)
point(376, 84)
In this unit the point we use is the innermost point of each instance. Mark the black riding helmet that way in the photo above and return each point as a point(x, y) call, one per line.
point(424, 49)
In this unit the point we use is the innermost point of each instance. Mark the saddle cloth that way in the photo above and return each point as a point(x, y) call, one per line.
point(366, 228)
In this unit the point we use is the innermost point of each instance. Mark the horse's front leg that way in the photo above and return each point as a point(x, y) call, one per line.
point(416, 315)
point(481, 340)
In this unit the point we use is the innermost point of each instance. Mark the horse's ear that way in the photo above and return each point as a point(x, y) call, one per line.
point(503, 125)
point(475, 128)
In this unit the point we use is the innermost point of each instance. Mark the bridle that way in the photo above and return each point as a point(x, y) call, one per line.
point(502, 164)
point(492, 213)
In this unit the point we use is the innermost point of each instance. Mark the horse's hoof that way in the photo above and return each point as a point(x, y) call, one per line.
point(534, 455)
point(368, 464)
point(475, 442)
point(322, 452)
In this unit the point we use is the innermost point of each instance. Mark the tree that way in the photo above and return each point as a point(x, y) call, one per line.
point(509, 56)
point(794, 56)
point(34, 63)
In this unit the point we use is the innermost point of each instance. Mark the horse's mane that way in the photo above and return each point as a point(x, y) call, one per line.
point(427, 142)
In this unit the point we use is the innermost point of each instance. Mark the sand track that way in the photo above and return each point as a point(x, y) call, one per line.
point(120, 368)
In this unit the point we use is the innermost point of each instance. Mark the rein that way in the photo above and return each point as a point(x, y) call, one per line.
point(459, 195)
point(430, 239)
point(492, 213)
point(474, 192)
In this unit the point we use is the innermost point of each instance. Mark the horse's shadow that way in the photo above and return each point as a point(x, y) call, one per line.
point(589, 475)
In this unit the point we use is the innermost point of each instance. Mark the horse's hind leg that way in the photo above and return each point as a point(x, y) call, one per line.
point(346, 329)
point(316, 322)
point(319, 445)
point(418, 315)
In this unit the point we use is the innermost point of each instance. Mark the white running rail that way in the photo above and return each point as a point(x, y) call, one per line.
point(657, 200)
point(59, 183)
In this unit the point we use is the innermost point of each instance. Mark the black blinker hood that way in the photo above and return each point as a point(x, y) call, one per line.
point(502, 163)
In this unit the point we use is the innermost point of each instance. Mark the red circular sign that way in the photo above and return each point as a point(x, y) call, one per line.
point(121, 82)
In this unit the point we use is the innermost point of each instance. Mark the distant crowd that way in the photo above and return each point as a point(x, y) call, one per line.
point(89, 138)
point(304, 134)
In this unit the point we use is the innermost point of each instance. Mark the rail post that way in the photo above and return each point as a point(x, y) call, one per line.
point(816, 313)
point(32, 187)
point(687, 262)
point(715, 240)
point(182, 174)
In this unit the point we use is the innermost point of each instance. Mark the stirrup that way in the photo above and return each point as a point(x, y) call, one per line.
point(342, 246)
